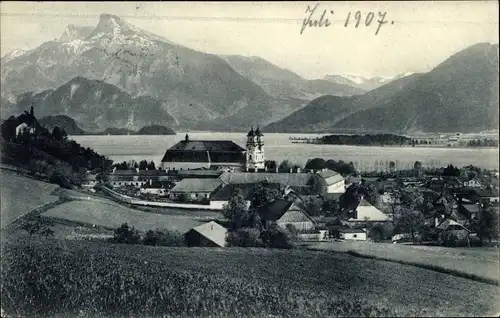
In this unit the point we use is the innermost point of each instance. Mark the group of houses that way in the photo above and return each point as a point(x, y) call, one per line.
point(468, 197)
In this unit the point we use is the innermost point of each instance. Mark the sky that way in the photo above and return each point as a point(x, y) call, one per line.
point(417, 36)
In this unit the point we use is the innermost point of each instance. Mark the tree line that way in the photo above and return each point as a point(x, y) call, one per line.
point(367, 140)
point(48, 154)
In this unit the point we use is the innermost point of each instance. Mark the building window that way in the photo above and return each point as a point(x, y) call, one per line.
point(354, 235)
point(250, 157)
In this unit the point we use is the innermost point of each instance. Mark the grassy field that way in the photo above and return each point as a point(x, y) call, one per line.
point(20, 195)
point(112, 215)
point(483, 262)
point(87, 278)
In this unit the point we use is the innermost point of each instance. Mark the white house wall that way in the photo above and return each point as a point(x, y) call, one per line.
point(338, 187)
point(353, 236)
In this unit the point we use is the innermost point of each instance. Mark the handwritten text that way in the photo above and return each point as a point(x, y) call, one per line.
point(319, 19)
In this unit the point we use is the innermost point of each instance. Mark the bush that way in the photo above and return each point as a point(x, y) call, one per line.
point(163, 238)
point(275, 237)
point(244, 237)
point(126, 235)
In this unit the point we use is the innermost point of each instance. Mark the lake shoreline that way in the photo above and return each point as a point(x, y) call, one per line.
point(279, 147)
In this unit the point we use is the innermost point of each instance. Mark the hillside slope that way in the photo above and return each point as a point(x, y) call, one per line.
point(283, 83)
point(96, 105)
point(459, 95)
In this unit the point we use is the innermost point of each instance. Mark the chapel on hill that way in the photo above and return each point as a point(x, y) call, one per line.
point(216, 154)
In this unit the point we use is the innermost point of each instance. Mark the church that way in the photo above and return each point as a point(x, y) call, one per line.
point(217, 154)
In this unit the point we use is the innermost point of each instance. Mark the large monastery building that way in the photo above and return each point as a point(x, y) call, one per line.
point(216, 154)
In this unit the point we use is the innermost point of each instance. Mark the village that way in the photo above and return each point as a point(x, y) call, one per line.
point(447, 206)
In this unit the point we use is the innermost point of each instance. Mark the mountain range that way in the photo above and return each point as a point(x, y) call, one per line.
point(117, 75)
point(199, 90)
point(362, 82)
point(458, 95)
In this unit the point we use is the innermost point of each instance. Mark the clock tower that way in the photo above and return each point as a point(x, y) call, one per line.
point(255, 150)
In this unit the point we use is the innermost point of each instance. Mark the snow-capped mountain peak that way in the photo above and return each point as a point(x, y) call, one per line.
point(364, 82)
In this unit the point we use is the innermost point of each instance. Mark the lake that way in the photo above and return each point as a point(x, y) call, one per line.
point(278, 147)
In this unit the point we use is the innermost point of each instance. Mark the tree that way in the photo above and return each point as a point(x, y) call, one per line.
point(451, 171)
point(236, 210)
point(143, 164)
point(57, 134)
point(126, 235)
point(331, 207)
point(315, 164)
point(392, 166)
point(285, 165)
point(151, 165)
point(417, 166)
point(270, 165)
point(409, 220)
point(264, 195)
point(488, 223)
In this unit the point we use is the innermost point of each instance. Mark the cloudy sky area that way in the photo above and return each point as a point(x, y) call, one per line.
point(423, 33)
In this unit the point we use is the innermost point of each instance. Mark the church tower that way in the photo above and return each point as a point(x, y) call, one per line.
point(255, 150)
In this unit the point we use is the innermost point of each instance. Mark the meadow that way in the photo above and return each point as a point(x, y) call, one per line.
point(20, 195)
point(478, 261)
point(77, 278)
point(112, 215)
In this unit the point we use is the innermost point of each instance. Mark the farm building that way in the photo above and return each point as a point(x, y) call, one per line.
point(155, 188)
point(332, 181)
point(90, 181)
point(222, 196)
point(352, 234)
point(367, 212)
point(294, 180)
point(194, 189)
point(286, 213)
point(451, 226)
point(210, 234)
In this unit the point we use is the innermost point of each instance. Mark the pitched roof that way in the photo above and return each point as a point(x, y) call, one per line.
point(349, 230)
point(207, 173)
point(204, 151)
point(197, 185)
point(450, 224)
point(212, 231)
point(366, 210)
point(290, 179)
point(471, 208)
point(330, 176)
point(227, 191)
point(277, 209)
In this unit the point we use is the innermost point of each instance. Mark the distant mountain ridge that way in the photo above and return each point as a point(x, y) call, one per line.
point(193, 87)
point(96, 105)
point(364, 83)
point(63, 122)
point(458, 95)
point(282, 83)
